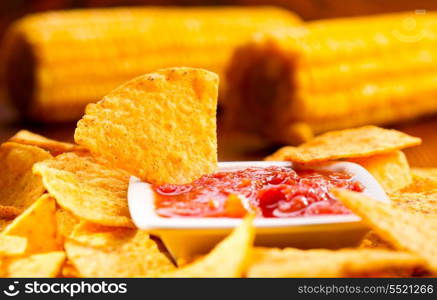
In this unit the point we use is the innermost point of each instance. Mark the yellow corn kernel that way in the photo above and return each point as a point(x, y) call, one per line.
point(57, 62)
point(333, 74)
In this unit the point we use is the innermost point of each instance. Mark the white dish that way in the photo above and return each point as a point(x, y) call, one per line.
point(188, 236)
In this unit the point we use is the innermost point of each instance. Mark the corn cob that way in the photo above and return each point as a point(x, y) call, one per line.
point(331, 74)
point(57, 62)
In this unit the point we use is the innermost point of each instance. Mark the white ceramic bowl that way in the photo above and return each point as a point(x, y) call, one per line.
point(188, 236)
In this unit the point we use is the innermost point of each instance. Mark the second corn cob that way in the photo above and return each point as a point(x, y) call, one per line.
point(332, 74)
point(57, 62)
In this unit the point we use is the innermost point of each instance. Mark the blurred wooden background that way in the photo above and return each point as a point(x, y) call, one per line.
point(425, 155)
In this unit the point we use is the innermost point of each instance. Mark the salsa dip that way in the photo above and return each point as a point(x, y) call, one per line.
point(293, 206)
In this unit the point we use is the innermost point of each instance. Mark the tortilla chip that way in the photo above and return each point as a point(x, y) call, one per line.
point(9, 212)
point(425, 203)
point(422, 183)
point(349, 143)
point(292, 262)
point(404, 229)
point(372, 240)
point(97, 235)
point(38, 224)
point(430, 173)
point(228, 259)
point(69, 270)
point(19, 187)
point(160, 127)
point(37, 265)
point(131, 254)
point(391, 170)
point(12, 245)
point(87, 189)
point(65, 222)
point(3, 267)
point(54, 147)
point(420, 195)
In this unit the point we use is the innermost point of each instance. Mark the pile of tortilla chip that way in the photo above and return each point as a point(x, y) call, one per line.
point(403, 234)
point(64, 209)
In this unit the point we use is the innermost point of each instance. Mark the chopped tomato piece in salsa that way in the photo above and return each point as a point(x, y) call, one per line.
point(272, 192)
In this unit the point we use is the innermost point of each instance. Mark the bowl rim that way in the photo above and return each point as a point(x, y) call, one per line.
point(144, 216)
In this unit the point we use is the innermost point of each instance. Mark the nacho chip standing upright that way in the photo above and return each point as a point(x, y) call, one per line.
point(160, 127)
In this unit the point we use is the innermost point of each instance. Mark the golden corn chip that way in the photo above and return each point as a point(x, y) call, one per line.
point(38, 224)
point(391, 170)
point(425, 172)
point(12, 245)
point(87, 189)
point(65, 222)
point(420, 195)
point(185, 260)
point(372, 240)
point(3, 267)
point(9, 212)
point(290, 262)
point(19, 187)
point(404, 229)
point(421, 185)
point(423, 182)
point(54, 147)
point(131, 254)
point(160, 127)
point(425, 203)
point(38, 265)
point(356, 142)
point(95, 235)
point(69, 270)
point(228, 259)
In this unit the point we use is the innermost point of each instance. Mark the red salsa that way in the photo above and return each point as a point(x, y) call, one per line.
point(272, 192)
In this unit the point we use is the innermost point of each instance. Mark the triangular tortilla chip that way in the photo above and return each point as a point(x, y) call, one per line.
point(12, 245)
point(391, 170)
point(44, 265)
point(131, 254)
point(69, 270)
point(372, 240)
point(3, 267)
point(425, 172)
point(87, 189)
point(97, 235)
point(38, 224)
point(65, 222)
point(160, 127)
point(290, 262)
point(420, 195)
point(19, 187)
point(54, 147)
point(228, 259)
point(425, 203)
point(404, 229)
point(355, 142)
point(423, 182)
